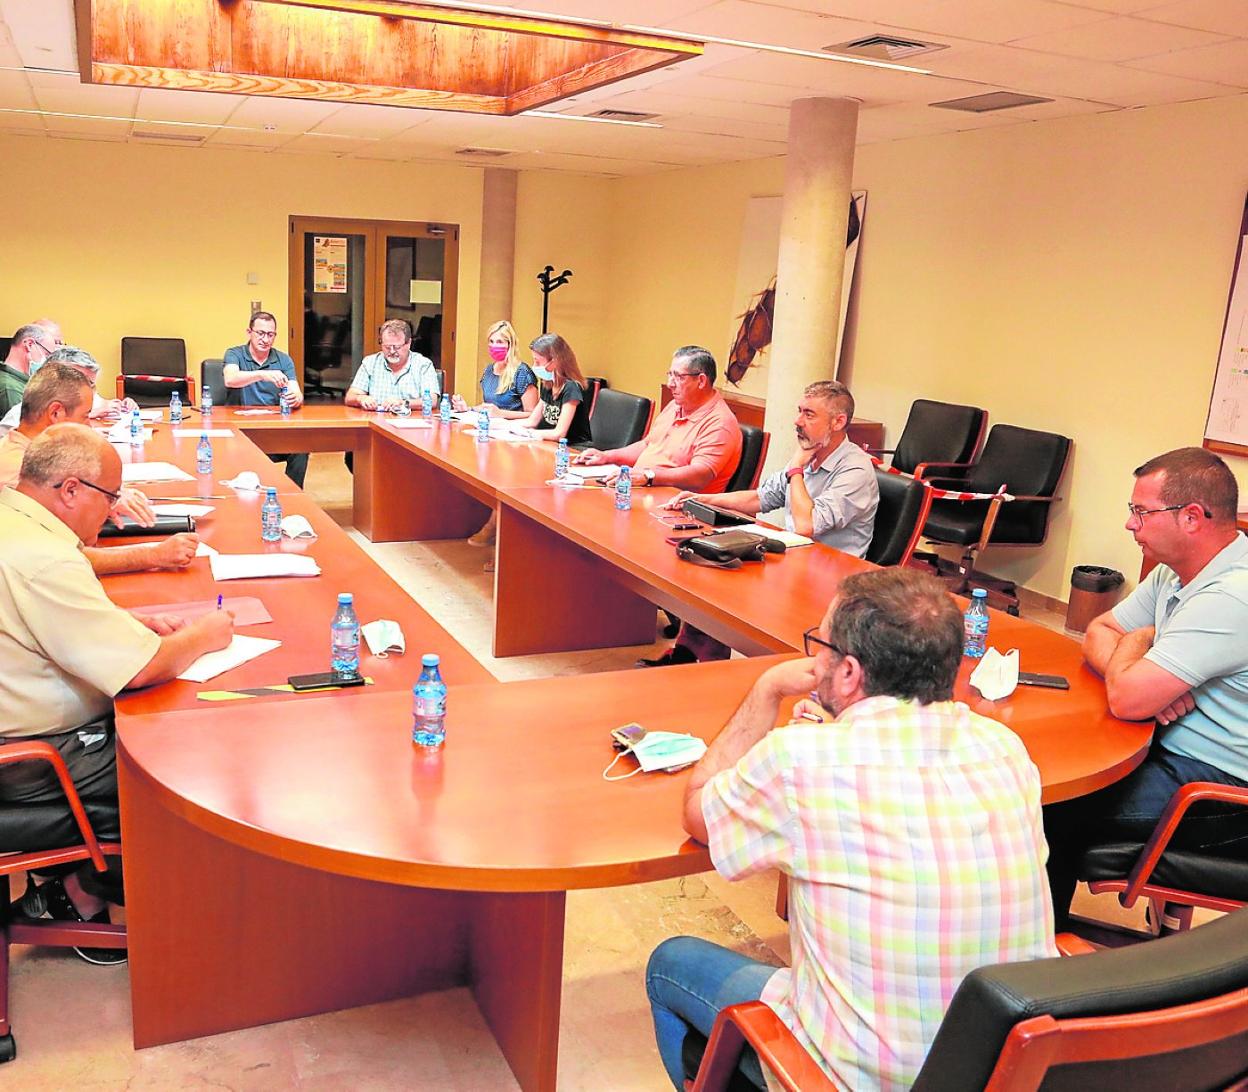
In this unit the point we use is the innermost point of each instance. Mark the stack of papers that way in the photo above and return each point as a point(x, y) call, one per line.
point(789, 538)
point(593, 473)
point(251, 566)
point(153, 472)
point(237, 652)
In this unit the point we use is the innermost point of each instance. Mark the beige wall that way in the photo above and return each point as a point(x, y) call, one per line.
point(1069, 276)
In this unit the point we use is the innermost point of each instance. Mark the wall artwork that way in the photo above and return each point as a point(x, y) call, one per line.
point(1226, 429)
point(754, 299)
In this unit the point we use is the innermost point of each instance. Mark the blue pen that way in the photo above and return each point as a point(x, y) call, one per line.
point(219, 601)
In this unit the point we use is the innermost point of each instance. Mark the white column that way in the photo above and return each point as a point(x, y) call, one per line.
point(498, 261)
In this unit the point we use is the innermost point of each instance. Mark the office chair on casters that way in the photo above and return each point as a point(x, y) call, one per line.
point(1216, 879)
point(42, 838)
point(1012, 488)
point(152, 368)
point(904, 507)
point(937, 434)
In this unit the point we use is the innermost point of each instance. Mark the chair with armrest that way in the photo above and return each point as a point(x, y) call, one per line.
point(904, 505)
point(1216, 879)
point(1172, 1013)
point(618, 419)
point(937, 435)
point(152, 368)
point(45, 838)
point(754, 445)
point(593, 384)
point(1025, 463)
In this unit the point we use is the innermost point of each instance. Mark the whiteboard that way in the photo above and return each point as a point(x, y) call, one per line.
point(1228, 406)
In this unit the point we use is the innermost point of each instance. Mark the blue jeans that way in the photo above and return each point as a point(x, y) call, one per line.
point(1128, 810)
point(688, 981)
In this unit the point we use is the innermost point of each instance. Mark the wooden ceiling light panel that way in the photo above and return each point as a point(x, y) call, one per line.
point(377, 51)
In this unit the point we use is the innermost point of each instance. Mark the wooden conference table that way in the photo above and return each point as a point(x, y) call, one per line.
point(288, 855)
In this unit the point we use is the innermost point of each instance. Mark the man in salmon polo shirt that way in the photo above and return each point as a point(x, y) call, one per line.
point(695, 443)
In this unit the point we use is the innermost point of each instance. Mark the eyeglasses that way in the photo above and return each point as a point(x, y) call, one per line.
point(264, 335)
point(812, 643)
point(392, 350)
point(682, 375)
point(1139, 512)
point(113, 498)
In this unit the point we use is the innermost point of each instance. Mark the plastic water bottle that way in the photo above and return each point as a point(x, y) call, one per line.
point(444, 409)
point(975, 624)
point(205, 402)
point(624, 490)
point(136, 429)
point(429, 704)
point(345, 638)
point(271, 517)
point(426, 403)
point(175, 408)
point(203, 455)
point(483, 427)
point(562, 458)
point(284, 398)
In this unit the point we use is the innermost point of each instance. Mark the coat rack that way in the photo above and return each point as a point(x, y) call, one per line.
point(549, 284)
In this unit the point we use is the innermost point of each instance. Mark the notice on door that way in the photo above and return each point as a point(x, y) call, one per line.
point(329, 264)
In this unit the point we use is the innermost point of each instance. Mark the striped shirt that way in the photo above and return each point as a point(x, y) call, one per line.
point(913, 841)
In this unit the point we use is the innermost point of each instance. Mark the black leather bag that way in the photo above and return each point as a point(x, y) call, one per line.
point(727, 549)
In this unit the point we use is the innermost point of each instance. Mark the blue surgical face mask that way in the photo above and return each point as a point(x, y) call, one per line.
point(543, 373)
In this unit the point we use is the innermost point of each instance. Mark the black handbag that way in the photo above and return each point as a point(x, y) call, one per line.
point(728, 549)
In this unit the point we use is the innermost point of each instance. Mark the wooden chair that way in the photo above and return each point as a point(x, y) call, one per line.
point(47, 837)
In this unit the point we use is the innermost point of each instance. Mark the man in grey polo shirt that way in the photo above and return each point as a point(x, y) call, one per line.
point(1174, 651)
point(827, 491)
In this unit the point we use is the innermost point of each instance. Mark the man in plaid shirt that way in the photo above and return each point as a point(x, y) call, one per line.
point(909, 827)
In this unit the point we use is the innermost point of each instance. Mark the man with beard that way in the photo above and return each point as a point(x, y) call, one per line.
point(826, 492)
point(909, 828)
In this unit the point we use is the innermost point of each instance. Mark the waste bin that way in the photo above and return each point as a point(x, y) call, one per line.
point(1093, 590)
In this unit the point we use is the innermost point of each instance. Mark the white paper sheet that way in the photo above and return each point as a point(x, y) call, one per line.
point(411, 422)
point(204, 550)
point(193, 432)
point(153, 472)
point(151, 415)
point(240, 649)
point(789, 538)
point(249, 566)
point(255, 412)
point(120, 434)
point(196, 510)
point(590, 473)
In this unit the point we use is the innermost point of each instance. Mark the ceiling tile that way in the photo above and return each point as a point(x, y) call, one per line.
point(248, 138)
point(160, 104)
point(712, 87)
point(1226, 63)
point(1116, 7)
point(764, 23)
point(74, 98)
point(1219, 16)
point(1121, 39)
point(285, 115)
point(648, 13)
point(15, 91)
point(665, 103)
point(356, 119)
point(95, 127)
point(21, 123)
point(43, 31)
point(326, 145)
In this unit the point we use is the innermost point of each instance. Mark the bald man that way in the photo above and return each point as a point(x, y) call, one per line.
point(66, 650)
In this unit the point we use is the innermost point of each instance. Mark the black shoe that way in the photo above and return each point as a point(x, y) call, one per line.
point(677, 654)
point(61, 907)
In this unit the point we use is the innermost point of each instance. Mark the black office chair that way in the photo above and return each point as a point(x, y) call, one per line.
point(6, 343)
point(212, 379)
point(46, 838)
point(754, 445)
point(904, 505)
point(152, 368)
point(937, 434)
point(593, 384)
point(1029, 464)
point(618, 419)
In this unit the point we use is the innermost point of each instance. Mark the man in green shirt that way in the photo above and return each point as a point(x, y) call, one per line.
point(31, 345)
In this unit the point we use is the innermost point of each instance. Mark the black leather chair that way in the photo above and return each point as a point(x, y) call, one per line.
point(1180, 877)
point(754, 444)
point(594, 384)
point(618, 419)
point(212, 379)
point(1170, 1014)
point(47, 838)
point(1029, 464)
point(904, 505)
point(152, 368)
point(937, 434)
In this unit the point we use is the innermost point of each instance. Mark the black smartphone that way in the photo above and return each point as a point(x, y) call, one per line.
point(685, 526)
point(1053, 682)
point(322, 680)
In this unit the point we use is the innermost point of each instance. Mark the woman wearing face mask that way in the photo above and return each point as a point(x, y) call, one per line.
point(508, 385)
point(562, 412)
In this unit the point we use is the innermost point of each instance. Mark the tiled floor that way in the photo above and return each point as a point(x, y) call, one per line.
point(72, 1020)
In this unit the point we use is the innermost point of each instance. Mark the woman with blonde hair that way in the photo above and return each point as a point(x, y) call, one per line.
point(508, 385)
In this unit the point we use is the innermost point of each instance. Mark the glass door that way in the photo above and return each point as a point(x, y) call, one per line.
point(334, 321)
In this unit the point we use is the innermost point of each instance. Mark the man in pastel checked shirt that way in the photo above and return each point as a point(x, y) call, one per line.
point(909, 828)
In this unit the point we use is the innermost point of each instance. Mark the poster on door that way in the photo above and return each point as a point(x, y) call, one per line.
point(329, 264)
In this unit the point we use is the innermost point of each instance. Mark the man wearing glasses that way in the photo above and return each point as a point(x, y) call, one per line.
point(1174, 651)
point(263, 375)
point(694, 443)
point(394, 375)
point(30, 348)
point(66, 650)
point(909, 828)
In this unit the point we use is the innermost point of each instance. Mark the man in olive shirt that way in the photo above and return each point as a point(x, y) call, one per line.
point(65, 649)
point(30, 348)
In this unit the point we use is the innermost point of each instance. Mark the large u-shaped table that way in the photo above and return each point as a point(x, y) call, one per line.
point(288, 855)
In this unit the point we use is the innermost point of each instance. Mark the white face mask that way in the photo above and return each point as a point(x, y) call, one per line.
point(661, 751)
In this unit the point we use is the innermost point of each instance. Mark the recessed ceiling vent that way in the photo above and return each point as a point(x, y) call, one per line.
point(168, 138)
point(622, 115)
point(985, 104)
point(881, 47)
point(483, 153)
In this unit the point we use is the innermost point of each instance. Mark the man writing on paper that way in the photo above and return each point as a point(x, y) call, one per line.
point(1175, 651)
point(66, 650)
point(263, 374)
point(60, 393)
point(909, 828)
point(395, 374)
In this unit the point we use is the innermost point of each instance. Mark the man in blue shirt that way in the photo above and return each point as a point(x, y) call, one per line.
point(1174, 651)
point(262, 375)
